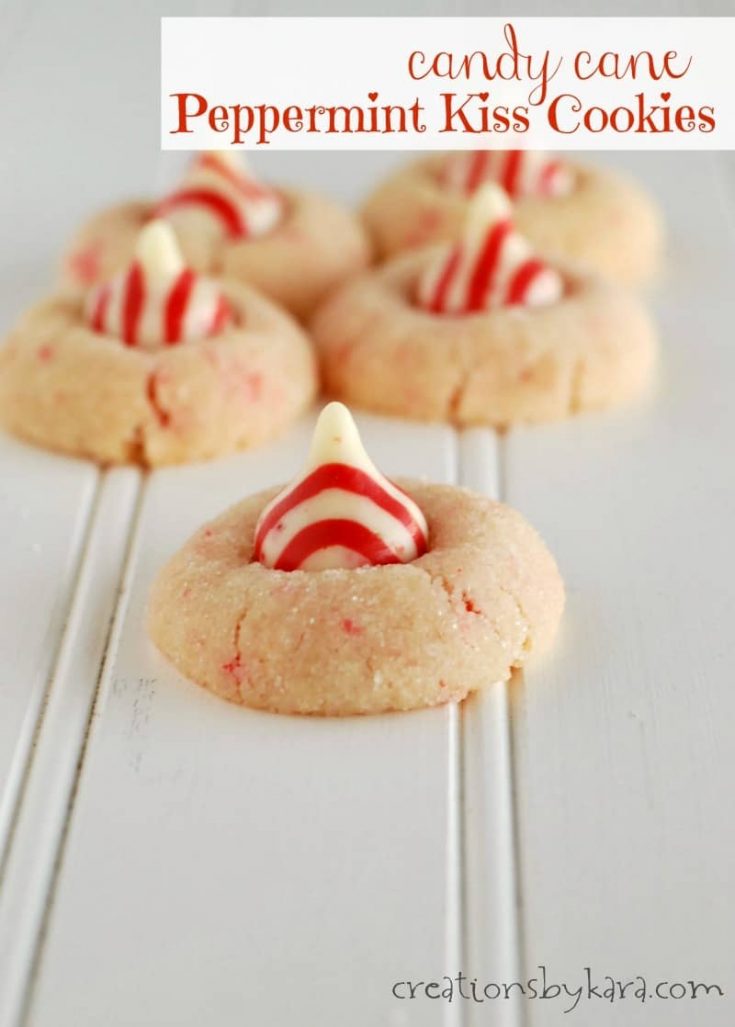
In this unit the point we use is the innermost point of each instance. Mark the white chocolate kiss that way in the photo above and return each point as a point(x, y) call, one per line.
point(219, 198)
point(492, 265)
point(340, 511)
point(157, 301)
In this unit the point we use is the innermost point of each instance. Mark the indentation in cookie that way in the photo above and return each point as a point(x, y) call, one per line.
point(491, 266)
point(158, 301)
point(220, 197)
point(341, 511)
point(519, 172)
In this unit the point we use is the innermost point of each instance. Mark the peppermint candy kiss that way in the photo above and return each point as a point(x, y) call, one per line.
point(341, 512)
point(219, 197)
point(157, 301)
point(492, 266)
point(519, 172)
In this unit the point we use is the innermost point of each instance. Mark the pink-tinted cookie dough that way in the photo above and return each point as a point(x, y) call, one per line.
point(67, 388)
point(605, 222)
point(316, 247)
point(484, 597)
point(592, 349)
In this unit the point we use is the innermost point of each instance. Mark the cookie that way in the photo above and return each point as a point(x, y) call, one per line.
point(414, 631)
point(586, 215)
point(293, 246)
point(156, 366)
point(483, 332)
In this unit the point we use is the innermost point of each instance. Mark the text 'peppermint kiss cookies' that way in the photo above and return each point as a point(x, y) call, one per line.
point(346, 593)
point(483, 331)
point(586, 214)
point(156, 365)
point(292, 245)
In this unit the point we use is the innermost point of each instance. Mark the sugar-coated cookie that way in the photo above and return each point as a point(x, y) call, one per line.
point(157, 365)
point(345, 593)
point(294, 246)
point(483, 331)
point(588, 215)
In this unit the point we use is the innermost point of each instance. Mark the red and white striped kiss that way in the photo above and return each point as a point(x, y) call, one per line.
point(491, 266)
point(220, 197)
point(341, 512)
point(157, 301)
point(519, 172)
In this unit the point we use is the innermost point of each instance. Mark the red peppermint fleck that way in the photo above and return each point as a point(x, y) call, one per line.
point(253, 385)
point(155, 380)
point(469, 604)
point(85, 263)
point(235, 668)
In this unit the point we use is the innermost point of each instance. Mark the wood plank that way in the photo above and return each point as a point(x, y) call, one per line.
point(624, 739)
point(48, 793)
point(45, 504)
point(491, 940)
point(225, 864)
point(46, 500)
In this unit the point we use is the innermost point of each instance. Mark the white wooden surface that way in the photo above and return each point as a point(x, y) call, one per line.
point(49, 788)
point(268, 855)
point(174, 860)
point(45, 504)
point(624, 742)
